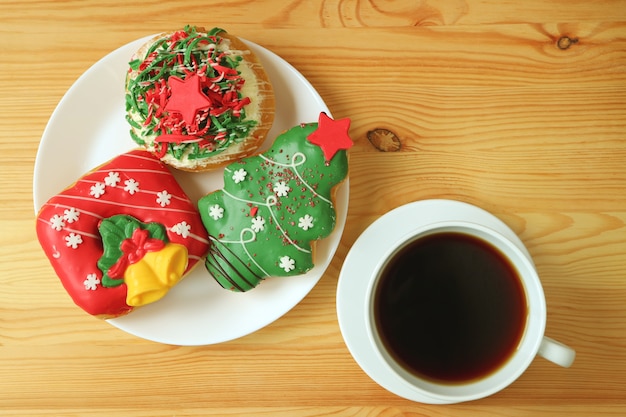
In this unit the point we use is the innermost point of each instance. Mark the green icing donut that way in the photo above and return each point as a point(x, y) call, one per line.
point(272, 207)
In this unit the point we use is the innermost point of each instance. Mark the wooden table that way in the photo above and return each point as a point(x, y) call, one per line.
point(517, 107)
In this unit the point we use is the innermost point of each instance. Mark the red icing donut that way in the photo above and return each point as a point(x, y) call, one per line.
point(135, 184)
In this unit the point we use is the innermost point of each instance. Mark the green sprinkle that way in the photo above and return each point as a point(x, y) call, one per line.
point(166, 58)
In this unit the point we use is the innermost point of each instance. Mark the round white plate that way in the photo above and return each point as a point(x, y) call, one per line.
point(365, 255)
point(88, 128)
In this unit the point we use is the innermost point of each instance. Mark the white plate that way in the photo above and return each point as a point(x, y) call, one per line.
point(367, 252)
point(88, 128)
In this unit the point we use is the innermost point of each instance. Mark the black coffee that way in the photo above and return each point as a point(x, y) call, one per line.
point(449, 307)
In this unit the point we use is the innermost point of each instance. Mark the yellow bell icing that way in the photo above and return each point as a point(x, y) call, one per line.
point(149, 279)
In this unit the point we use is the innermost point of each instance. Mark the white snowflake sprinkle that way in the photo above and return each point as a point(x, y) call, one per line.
point(73, 240)
point(182, 229)
point(70, 215)
point(216, 212)
point(163, 198)
point(112, 179)
point(306, 222)
point(281, 189)
point(132, 186)
point(97, 189)
point(57, 223)
point(287, 263)
point(239, 175)
point(258, 224)
point(91, 282)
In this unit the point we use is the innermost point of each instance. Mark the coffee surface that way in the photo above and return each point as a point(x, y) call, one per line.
point(449, 307)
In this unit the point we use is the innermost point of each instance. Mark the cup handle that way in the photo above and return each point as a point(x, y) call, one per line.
point(556, 352)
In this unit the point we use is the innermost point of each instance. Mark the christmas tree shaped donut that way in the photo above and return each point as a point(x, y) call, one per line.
point(122, 235)
point(275, 206)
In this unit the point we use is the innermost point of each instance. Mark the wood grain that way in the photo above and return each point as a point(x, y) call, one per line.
point(517, 107)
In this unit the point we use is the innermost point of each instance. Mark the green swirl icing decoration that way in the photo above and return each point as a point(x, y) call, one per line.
point(183, 55)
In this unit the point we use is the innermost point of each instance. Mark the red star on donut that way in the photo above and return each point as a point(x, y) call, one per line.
point(187, 97)
point(331, 135)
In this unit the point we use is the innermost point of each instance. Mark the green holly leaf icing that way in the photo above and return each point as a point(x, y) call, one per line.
point(114, 230)
point(272, 207)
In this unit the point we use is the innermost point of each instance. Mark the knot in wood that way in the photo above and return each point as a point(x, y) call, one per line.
point(564, 42)
point(384, 140)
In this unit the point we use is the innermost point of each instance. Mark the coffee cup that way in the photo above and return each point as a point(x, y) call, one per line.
point(455, 311)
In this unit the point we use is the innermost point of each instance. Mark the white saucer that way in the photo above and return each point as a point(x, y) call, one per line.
point(365, 255)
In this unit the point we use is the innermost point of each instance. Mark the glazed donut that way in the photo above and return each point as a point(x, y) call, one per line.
point(276, 205)
point(197, 99)
point(122, 235)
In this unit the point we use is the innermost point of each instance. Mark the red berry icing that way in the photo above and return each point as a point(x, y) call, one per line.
point(136, 184)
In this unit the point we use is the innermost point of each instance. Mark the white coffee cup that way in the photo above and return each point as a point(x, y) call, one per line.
point(533, 341)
